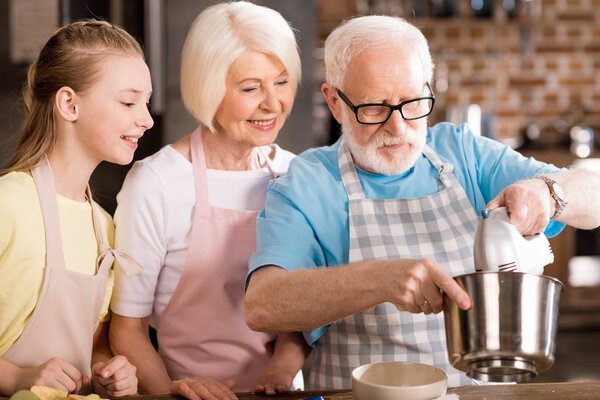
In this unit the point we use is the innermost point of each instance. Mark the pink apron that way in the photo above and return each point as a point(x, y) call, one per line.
point(64, 319)
point(203, 331)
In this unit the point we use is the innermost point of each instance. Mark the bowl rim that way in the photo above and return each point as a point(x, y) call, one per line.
point(508, 273)
point(444, 377)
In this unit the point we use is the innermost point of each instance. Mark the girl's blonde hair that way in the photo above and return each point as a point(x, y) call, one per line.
point(71, 57)
point(218, 36)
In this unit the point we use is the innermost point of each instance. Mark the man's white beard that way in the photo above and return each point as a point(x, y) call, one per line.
point(367, 158)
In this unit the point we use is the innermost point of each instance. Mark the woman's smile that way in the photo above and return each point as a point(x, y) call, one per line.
point(263, 124)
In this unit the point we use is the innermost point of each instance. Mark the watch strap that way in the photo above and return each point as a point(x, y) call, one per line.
point(560, 202)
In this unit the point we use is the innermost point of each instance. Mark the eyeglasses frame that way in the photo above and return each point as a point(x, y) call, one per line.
point(392, 108)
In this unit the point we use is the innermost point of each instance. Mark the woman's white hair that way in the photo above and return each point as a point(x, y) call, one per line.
point(358, 34)
point(218, 36)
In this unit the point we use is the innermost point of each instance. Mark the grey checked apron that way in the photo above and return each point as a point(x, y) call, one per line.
point(440, 226)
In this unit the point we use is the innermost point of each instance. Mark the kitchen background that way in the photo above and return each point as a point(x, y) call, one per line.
point(523, 72)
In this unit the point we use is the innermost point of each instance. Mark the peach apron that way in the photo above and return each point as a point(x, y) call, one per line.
point(203, 331)
point(64, 319)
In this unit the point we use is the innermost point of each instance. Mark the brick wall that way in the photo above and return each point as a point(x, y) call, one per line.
point(533, 68)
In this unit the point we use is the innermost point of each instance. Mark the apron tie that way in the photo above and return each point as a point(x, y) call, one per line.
point(124, 261)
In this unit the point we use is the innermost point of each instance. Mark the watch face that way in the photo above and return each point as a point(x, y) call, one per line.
point(559, 191)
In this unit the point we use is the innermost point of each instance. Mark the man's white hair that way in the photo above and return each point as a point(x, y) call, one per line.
point(358, 34)
point(218, 36)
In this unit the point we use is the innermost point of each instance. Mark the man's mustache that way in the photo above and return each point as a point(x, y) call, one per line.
point(385, 139)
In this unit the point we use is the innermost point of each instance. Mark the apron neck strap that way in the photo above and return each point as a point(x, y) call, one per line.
point(44, 183)
point(199, 168)
point(444, 169)
point(102, 243)
point(102, 262)
point(348, 172)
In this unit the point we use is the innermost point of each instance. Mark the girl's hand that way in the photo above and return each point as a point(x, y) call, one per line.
point(55, 373)
point(273, 381)
point(114, 378)
point(199, 388)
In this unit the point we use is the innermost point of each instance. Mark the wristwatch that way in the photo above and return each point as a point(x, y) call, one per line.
point(557, 193)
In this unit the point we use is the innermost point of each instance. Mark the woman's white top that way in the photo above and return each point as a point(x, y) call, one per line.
point(154, 218)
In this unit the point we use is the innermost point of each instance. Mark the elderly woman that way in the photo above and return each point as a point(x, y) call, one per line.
point(187, 214)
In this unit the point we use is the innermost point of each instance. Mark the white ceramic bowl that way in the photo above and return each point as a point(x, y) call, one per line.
point(397, 380)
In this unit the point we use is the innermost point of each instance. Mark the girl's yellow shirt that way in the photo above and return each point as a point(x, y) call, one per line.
point(23, 250)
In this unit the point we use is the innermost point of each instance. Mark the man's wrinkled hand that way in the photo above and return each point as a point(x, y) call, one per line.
point(273, 381)
point(416, 286)
point(529, 205)
point(200, 388)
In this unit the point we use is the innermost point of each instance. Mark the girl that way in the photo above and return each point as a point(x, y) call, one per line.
point(85, 102)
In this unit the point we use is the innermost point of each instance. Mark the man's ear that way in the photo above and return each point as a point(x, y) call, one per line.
point(333, 101)
point(66, 102)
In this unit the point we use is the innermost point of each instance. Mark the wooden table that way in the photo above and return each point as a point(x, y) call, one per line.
point(531, 391)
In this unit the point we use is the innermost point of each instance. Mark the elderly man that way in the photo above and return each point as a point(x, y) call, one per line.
point(356, 242)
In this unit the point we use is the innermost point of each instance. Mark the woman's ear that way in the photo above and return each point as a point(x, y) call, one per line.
point(66, 104)
point(333, 101)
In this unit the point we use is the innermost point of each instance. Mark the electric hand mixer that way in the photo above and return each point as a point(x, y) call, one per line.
point(500, 247)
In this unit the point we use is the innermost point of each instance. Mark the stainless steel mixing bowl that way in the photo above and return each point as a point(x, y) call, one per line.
point(509, 333)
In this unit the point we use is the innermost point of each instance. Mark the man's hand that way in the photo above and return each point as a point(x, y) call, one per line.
point(529, 205)
point(273, 381)
point(55, 373)
point(114, 378)
point(416, 285)
point(199, 388)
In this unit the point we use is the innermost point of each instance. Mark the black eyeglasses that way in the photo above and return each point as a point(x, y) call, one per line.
point(373, 114)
